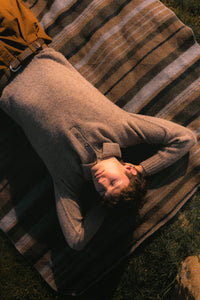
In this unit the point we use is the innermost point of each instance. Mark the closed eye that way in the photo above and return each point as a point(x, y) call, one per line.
point(113, 182)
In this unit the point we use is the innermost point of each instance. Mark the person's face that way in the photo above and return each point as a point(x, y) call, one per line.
point(109, 176)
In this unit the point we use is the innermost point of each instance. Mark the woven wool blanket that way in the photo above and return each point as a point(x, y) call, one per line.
point(144, 59)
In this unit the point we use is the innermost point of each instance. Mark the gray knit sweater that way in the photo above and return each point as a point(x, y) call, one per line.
point(71, 124)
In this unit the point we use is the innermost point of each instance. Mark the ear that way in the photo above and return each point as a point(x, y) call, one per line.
point(130, 169)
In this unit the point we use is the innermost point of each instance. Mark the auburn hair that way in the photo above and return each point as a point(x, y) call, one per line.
point(131, 196)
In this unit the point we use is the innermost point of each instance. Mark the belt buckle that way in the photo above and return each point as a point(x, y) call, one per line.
point(14, 70)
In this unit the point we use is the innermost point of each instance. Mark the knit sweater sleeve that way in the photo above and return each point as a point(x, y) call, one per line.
point(173, 141)
point(78, 230)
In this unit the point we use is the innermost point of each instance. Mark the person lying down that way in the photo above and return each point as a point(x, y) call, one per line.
point(76, 130)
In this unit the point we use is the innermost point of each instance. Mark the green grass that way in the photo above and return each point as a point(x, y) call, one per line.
point(150, 273)
point(189, 13)
point(152, 270)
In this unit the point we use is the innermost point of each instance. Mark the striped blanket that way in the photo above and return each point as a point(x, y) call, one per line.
point(139, 54)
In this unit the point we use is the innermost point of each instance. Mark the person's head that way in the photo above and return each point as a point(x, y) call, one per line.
point(118, 182)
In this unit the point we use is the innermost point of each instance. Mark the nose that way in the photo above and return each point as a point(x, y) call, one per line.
point(104, 186)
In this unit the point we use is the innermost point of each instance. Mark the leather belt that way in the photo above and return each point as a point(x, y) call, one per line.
point(21, 60)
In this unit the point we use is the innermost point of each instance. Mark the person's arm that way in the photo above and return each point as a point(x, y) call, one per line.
point(174, 141)
point(78, 230)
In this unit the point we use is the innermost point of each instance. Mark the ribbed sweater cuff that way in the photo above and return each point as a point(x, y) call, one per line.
point(152, 166)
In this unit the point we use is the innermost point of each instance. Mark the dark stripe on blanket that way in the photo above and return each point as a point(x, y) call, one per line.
point(33, 4)
point(156, 69)
point(30, 203)
point(39, 7)
point(172, 193)
point(132, 52)
point(45, 10)
point(186, 115)
point(90, 29)
point(172, 90)
point(192, 118)
point(33, 183)
point(67, 17)
point(36, 250)
point(129, 71)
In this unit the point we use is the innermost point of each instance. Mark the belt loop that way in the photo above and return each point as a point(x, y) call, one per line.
point(36, 45)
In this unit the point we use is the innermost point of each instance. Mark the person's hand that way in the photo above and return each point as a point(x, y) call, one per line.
point(139, 168)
